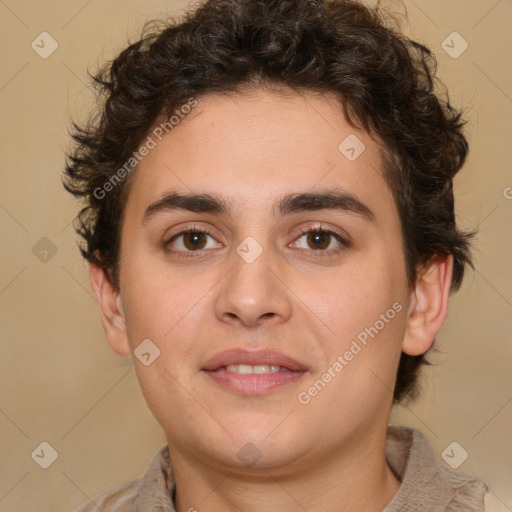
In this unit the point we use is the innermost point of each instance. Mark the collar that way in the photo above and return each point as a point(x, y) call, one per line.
point(427, 484)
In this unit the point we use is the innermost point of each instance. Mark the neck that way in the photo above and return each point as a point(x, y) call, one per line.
point(344, 480)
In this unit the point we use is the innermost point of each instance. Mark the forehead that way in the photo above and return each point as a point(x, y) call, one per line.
point(255, 148)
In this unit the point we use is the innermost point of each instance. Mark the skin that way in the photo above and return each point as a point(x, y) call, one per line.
point(253, 149)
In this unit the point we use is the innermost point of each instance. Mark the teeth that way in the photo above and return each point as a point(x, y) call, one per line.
point(248, 369)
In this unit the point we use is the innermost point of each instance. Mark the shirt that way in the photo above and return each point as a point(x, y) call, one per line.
point(427, 485)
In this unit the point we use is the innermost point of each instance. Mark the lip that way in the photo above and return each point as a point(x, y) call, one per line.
point(254, 357)
point(253, 384)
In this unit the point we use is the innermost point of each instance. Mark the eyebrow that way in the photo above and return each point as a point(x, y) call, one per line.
point(291, 203)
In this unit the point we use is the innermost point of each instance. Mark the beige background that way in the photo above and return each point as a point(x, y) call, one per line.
point(60, 381)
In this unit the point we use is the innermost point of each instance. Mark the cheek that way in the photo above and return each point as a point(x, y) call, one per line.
point(163, 395)
point(365, 310)
point(158, 300)
point(355, 297)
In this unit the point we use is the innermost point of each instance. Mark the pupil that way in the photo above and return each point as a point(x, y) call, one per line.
point(319, 238)
point(194, 239)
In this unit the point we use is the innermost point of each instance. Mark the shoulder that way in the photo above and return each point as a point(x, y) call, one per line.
point(427, 484)
point(119, 498)
point(154, 488)
point(468, 492)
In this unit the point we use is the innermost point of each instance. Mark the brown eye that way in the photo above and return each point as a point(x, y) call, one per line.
point(321, 240)
point(194, 240)
point(318, 239)
point(191, 241)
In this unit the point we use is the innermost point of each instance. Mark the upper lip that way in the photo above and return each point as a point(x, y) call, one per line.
point(255, 357)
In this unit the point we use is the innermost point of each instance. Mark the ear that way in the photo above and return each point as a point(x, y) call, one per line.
point(111, 310)
point(429, 305)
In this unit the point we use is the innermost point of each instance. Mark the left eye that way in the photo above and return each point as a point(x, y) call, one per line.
point(320, 240)
point(192, 241)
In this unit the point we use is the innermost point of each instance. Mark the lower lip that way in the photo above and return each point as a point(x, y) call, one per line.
point(254, 383)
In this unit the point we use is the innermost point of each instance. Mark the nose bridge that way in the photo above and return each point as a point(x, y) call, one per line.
point(252, 290)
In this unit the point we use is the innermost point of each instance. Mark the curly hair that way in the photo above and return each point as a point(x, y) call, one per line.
point(386, 84)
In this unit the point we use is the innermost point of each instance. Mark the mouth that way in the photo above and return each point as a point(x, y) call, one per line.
point(253, 372)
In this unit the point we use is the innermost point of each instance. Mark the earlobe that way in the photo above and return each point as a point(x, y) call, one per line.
point(429, 305)
point(111, 310)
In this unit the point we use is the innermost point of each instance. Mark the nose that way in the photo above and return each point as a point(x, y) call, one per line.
point(253, 293)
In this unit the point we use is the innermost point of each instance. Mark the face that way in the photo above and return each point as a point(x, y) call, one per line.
point(248, 228)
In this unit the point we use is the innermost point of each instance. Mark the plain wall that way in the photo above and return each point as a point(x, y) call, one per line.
point(61, 383)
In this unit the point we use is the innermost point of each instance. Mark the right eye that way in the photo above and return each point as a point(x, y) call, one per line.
point(190, 240)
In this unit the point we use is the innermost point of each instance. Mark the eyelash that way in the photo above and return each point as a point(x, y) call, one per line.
point(317, 253)
point(344, 244)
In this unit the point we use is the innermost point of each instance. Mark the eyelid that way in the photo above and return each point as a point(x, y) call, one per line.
point(319, 226)
point(344, 240)
point(189, 229)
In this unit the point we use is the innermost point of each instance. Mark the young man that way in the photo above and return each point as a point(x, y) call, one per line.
point(271, 234)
